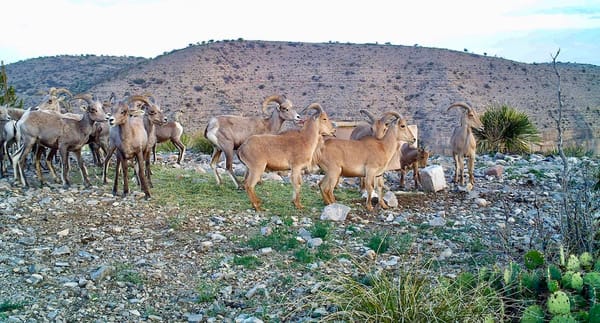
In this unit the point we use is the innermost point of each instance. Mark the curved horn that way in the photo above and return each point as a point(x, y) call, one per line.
point(390, 114)
point(150, 97)
point(142, 98)
point(273, 98)
point(315, 106)
point(369, 115)
point(57, 91)
point(85, 97)
point(463, 105)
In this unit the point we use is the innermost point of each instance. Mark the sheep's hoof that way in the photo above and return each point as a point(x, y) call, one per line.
point(374, 200)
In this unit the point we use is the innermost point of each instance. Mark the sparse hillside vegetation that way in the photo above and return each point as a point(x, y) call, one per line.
point(233, 77)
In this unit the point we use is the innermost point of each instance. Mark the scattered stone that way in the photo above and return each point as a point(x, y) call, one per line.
point(495, 171)
point(390, 199)
point(481, 202)
point(101, 273)
point(314, 242)
point(437, 222)
point(432, 178)
point(335, 212)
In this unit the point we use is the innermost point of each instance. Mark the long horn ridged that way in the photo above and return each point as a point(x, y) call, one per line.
point(369, 115)
point(273, 98)
point(57, 91)
point(463, 105)
point(390, 114)
point(85, 97)
point(315, 106)
point(150, 97)
point(142, 98)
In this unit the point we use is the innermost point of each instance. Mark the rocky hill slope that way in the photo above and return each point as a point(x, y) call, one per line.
point(234, 77)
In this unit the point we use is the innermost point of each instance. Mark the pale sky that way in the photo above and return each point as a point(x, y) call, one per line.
point(522, 30)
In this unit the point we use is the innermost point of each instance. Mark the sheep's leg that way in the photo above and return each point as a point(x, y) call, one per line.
point(369, 181)
point(109, 153)
point(3, 169)
point(327, 185)
point(49, 157)
point(15, 163)
point(148, 172)
point(116, 180)
point(229, 165)
point(379, 186)
point(416, 175)
point(64, 155)
point(402, 175)
point(181, 147)
point(82, 169)
point(19, 159)
point(471, 169)
point(461, 170)
point(2, 153)
point(141, 172)
point(297, 185)
point(38, 165)
point(154, 154)
point(458, 164)
point(252, 178)
point(125, 176)
point(213, 163)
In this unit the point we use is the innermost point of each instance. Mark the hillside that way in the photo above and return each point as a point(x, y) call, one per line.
point(233, 77)
point(34, 76)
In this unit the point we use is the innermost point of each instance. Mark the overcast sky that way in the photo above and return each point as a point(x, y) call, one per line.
point(521, 30)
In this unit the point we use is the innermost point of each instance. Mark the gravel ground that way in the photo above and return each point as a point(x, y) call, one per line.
point(82, 255)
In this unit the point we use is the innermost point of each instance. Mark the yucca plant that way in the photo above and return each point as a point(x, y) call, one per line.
point(506, 130)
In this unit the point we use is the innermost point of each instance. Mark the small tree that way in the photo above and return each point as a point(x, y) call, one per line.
point(8, 94)
point(506, 130)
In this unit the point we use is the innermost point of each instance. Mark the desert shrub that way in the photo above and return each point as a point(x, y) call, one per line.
point(194, 142)
point(506, 130)
point(199, 143)
point(577, 151)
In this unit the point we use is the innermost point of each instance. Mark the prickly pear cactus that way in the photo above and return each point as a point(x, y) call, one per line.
point(533, 314)
point(573, 263)
point(586, 260)
point(563, 318)
point(559, 303)
point(577, 282)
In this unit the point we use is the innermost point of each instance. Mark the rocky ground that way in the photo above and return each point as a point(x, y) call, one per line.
point(82, 255)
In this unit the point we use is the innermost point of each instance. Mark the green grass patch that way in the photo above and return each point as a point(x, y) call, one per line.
point(7, 306)
point(382, 242)
point(379, 242)
point(207, 292)
point(321, 229)
point(414, 294)
point(280, 239)
point(248, 262)
point(125, 273)
point(192, 190)
point(307, 255)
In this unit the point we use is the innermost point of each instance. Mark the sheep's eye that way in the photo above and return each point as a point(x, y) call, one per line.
point(402, 126)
